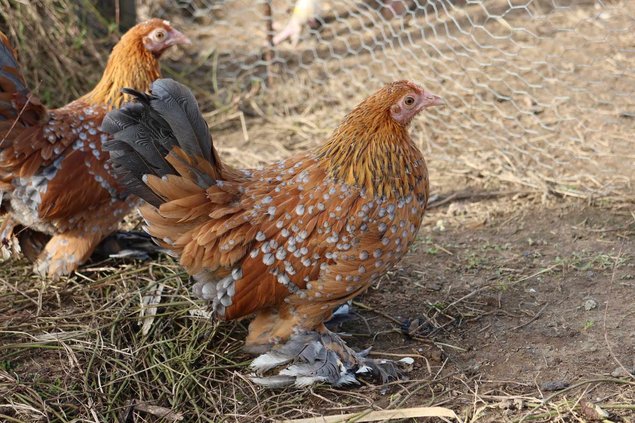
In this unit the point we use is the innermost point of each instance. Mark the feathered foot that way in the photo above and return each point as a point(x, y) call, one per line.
point(322, 356)
point(9, 243)
point(65, 252)
point(292, 31)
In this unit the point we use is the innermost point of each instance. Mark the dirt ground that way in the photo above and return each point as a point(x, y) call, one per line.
point(537, 92)
point(523, 302)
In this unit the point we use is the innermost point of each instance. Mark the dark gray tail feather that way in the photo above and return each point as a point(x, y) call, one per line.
point(341, 314)
point(145, 131)
point(127, 245)
point(8, 67)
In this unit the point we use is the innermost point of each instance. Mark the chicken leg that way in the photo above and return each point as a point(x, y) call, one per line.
point(320, 356)
point(305, 351)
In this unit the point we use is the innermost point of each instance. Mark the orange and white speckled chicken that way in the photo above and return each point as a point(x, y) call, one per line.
point(289, 242)
point(55, 184)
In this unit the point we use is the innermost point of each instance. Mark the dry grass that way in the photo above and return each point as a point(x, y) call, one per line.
point(79, 350)
point(76, 350)
point(63, 44)
point(62, 57)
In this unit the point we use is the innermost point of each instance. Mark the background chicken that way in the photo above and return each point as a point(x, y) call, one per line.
point(307, 12)
point(289, 242)
point(54, 176)
point(304, 12)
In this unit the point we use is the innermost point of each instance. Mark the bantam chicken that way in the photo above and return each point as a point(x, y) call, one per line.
point(55, 183)
point(289, 242)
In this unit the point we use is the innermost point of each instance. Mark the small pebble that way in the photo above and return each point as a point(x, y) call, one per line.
point(435, 286)
point(622, 372)
point(590, 304)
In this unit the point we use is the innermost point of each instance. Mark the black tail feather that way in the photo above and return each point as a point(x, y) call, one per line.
point(11, 80)
point(146, 131)
point(180, 110)
point(9, 65)
point(134, 245)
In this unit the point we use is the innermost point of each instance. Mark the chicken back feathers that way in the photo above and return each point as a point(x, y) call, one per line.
point(54, 175)
point(291, 240)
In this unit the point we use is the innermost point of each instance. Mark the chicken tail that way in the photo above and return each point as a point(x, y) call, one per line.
point(20, 115)
point(162, 133)
point(11, 79)
point(16, 100)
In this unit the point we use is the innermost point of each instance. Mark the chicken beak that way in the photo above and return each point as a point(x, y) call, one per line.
point(177, 37)
point(430, 100)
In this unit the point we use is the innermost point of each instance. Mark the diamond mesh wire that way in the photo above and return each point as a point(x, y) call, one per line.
point(539, 92)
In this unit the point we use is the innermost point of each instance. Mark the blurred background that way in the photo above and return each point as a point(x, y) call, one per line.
point(540, 93)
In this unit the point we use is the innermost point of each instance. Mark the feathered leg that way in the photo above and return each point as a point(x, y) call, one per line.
point(320, 356)
point(9, 244)
point(65, 252)
point(306, 356)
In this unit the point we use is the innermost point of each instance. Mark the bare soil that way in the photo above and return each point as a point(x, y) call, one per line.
point(527, 302)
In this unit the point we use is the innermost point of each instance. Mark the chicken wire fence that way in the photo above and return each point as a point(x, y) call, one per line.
point(538, 92)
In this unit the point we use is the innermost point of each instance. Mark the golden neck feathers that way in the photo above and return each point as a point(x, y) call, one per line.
point(129, 65)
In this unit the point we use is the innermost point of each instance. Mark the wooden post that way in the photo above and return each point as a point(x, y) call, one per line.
point(268, 56)
point(122, 12)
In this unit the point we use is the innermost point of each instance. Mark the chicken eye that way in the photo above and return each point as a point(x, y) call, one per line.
point(409, 101)
point(160, 35)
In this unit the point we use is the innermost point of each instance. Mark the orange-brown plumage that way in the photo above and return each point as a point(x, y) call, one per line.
point(130, 64)
point(293, 240)
point(54, 175)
